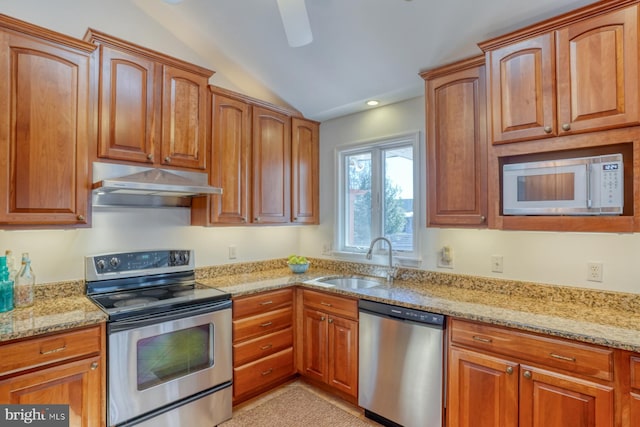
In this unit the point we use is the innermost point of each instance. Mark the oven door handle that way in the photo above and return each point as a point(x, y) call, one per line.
point(154, 319)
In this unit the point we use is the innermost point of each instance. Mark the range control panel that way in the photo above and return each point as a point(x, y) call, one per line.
point(402, 313)
point(141, 262)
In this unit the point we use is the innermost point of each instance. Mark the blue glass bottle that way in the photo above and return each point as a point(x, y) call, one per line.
point(6, 287)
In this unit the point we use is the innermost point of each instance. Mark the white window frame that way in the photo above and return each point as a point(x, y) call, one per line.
point(400, 257)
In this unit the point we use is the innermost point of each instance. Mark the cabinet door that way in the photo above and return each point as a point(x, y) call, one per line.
point(271, 166)
point(598, 72)
point(522, 90)
point(45, 128)
point(482, 390)
point(457, 148)
point(549, 399)
point(343, 355)
point(128, 96)
point(77, 384)
point(314, 362)
point(304, 171)
point(184, 119)
point(230, 159)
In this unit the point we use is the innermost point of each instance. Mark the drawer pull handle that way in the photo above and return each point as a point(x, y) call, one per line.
point(326, 304)
point(264, 325)
point(482, 339)
point(266, 302)
point(561, 357)
point(266, 347)
point(267, 372)
point(55, 350)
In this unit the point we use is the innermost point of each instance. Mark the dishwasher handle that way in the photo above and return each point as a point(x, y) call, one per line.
point(402, 313)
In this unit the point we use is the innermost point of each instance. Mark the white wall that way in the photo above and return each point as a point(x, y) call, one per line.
point(58, 255)
point(546, 257)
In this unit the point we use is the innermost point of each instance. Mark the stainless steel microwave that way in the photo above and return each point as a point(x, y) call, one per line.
point(577, 186)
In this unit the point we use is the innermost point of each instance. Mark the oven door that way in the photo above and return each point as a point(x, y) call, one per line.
point(158, 361)
point(549, 188)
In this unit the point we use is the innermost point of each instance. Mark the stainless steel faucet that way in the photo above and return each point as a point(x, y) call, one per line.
point(391, 272)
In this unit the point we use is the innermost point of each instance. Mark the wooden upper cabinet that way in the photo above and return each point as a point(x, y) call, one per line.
point(128, 106)
point(230, 160)
point(184, 119)
point(271, 150)
point(598, 72)
point(457, 144)
point(305, 171)
point(522, 90)
point(575, 74)
point(46, 125)
point(153, 108)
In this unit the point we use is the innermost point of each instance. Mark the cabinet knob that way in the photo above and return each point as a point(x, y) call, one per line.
point(527, 374)
point(483, 218)
point(244, 219)
point(547, 129)
point(322, 318)
point(94, 366)
point(295, 218)
point(80, 217)
point(509, 370)
point(167, 159)
point(330, 320)
point(256, 219)
point(150, 156)
point(566, 126)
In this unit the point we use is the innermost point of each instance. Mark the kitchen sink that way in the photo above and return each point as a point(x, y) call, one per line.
point(347, 282)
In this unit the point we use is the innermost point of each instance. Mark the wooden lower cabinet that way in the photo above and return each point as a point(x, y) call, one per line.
point(263, 333)
point(64, 368)
point(330, 341)
point(494, 380)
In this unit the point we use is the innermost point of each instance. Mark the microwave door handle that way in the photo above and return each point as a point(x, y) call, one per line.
point(589, 198)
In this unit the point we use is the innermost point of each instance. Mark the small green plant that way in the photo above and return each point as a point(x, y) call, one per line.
point(296, 259)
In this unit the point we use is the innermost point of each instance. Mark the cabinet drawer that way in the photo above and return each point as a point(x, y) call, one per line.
point(262, 324)
point(248, 351)
point(255, 304)
point(258, 374)
point(49, 349)
point(571, 356)
point(341, 306)
point(635, 372)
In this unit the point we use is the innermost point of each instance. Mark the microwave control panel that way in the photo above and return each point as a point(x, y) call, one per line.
point(611, 184)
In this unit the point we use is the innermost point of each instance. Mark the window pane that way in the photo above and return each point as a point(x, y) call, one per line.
point(398, 197)
point(358, 200)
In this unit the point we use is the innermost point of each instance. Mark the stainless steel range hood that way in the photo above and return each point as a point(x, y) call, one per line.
point(124, 185)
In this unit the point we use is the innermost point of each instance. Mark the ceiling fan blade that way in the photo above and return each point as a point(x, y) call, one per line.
point(296, 22)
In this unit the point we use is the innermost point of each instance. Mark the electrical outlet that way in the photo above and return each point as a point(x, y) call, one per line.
point(445, 257)
point(594, 271)
point(496, 263)
point(232, 252)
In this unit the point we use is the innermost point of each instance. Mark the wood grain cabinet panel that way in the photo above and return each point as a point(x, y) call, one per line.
point(153, 108)
point(305, 187)
point(263, 331)
point(457, 144)
point(330, 341)
point(505, 377)
point(66, 367)
point(46, 125)
point(579, 77)
point(271, 152)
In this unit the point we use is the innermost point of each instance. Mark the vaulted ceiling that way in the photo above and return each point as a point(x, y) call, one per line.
point(361, 49)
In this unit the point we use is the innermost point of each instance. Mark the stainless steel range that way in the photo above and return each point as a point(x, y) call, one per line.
point(169, 340)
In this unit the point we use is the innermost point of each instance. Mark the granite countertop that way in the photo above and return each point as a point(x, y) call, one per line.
point(576, 314)
point(54, 314)
point(599, 317)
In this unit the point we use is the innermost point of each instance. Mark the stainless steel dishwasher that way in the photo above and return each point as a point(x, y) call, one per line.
point(400, 365)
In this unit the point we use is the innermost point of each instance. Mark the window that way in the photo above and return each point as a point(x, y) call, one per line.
point(377, 187)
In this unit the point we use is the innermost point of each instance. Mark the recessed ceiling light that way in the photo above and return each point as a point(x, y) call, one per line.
point(373, 103)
